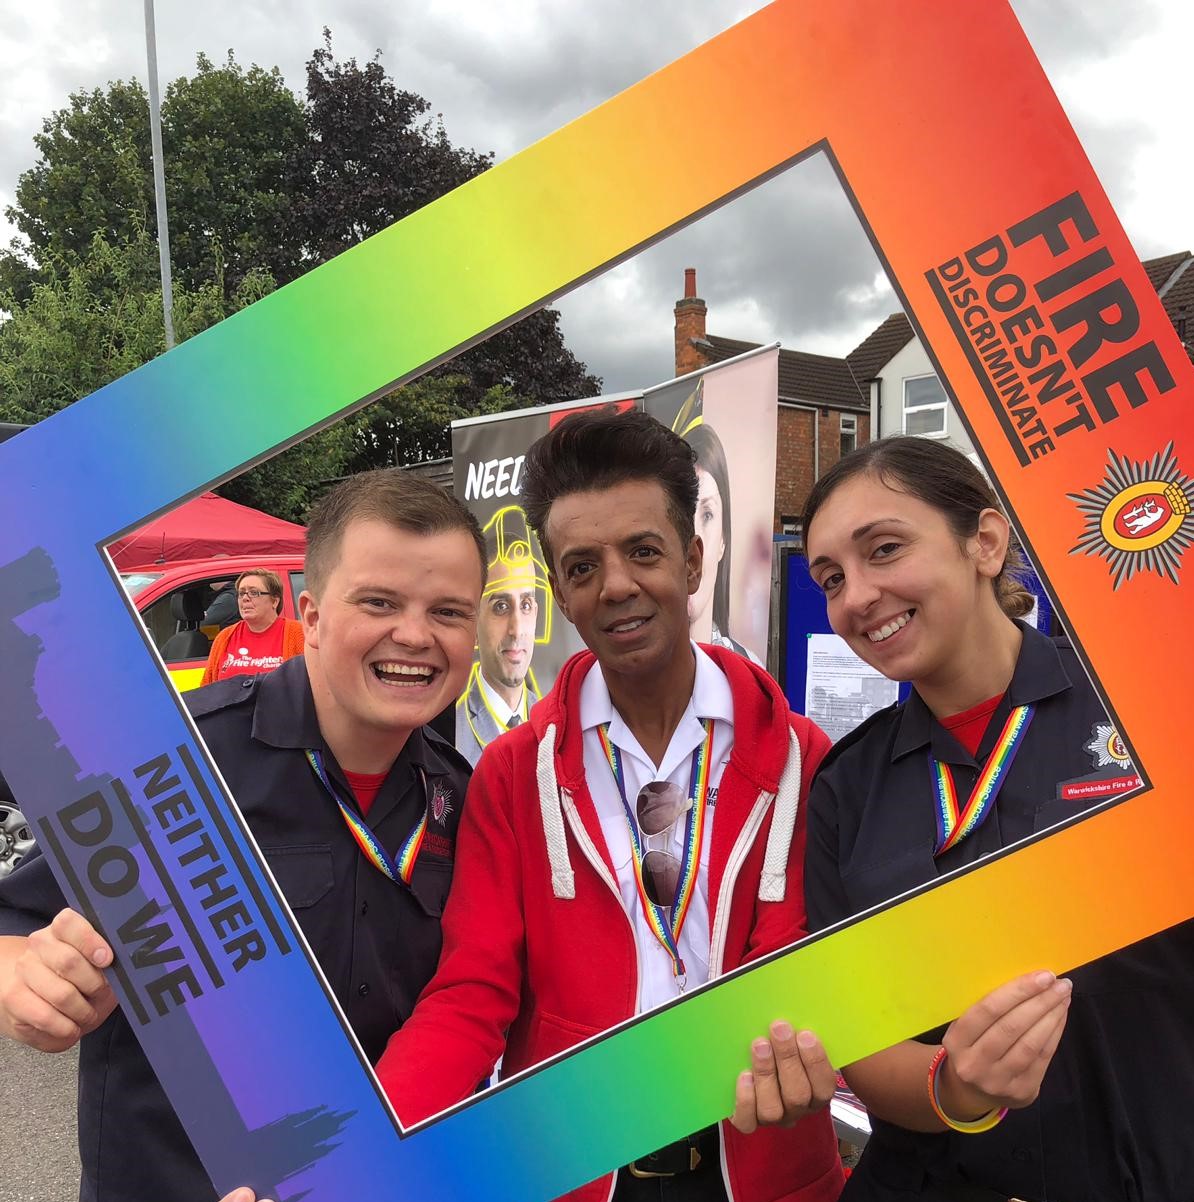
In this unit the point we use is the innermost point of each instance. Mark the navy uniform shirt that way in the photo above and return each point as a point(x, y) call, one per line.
point(378, 942)
point(1116, 1111)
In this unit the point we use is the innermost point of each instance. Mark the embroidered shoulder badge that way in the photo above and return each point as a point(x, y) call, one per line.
point(1107, 748)
point(441, 802)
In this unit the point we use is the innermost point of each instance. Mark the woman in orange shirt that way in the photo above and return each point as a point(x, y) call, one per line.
point(262, 638)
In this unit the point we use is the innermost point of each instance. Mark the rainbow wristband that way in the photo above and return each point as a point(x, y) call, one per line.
point(991, 1119)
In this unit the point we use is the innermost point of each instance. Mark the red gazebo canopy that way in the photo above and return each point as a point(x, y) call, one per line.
point(207, 526)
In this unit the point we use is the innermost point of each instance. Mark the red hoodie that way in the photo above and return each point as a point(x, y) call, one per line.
point(539, 954)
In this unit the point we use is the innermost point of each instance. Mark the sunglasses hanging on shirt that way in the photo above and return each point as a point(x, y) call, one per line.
point(665, 882)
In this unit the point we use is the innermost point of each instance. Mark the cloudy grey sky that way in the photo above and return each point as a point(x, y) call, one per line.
point(506, 72)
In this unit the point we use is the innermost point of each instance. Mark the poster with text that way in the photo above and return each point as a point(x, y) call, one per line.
point(728, 415)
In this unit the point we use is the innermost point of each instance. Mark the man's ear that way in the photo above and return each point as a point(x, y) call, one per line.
point(990, 543)
point(308, 609)
point(694, 562)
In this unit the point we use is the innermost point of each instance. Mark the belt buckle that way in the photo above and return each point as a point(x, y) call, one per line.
point(694, 1159)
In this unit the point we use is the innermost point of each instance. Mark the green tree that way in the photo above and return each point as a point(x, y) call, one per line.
point(227, 133)
point(411, 425)
point(287, 484)
point(530, 359)
point(227, 136)
point(260, 187)
point(92, 318)
point(373, 155)
point(92, 178)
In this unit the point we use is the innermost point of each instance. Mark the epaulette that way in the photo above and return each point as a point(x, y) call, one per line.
point(223, 694)
point(438, 745)
point(857, 734)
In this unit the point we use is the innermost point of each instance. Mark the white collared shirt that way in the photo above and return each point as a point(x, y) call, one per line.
point(711, 698)
point(497, 704)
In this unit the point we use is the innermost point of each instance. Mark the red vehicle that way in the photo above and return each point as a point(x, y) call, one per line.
point(184, 605)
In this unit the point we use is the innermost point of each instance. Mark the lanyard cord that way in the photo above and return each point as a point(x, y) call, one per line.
point(954, 824)
point(668, 933)
point(398, 870)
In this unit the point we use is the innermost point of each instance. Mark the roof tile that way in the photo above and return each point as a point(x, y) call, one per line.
point(811, 379)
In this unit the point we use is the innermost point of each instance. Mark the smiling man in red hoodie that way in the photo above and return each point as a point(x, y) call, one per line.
point(641, 834)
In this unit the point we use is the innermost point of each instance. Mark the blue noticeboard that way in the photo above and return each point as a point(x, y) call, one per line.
point(802, 612)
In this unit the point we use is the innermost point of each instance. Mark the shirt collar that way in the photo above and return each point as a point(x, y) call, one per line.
point(498, 705)
point(1039, 673)
point(284, 717)
point(711, 698)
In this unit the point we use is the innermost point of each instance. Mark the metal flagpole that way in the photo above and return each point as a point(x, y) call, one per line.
point(159, 176)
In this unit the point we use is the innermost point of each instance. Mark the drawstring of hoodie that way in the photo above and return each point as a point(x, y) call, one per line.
point(773, 879)
point(563, 882)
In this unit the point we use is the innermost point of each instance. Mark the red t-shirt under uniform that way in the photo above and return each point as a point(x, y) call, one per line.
point(365, 787)
point(970, 725)
point(249, 653)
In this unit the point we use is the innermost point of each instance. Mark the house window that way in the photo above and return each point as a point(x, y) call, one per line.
point(298, 582)
point(789, 523)
point(924, 406)
point(848, 432)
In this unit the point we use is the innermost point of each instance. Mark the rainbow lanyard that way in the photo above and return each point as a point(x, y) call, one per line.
point(667, 933)
point(953, 826)
point(397, 870)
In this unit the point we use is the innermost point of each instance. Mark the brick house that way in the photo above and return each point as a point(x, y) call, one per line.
point(886, 384)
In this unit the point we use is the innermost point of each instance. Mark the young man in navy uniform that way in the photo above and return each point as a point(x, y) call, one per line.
point(394, 573)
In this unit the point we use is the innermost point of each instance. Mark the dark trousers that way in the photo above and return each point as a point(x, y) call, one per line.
point(702, 1184)
point(861, 1188)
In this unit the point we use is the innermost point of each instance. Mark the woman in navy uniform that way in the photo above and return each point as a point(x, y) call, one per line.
point(1078, 1090)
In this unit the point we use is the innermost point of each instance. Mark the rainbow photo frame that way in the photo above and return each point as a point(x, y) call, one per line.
point(966, 174)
